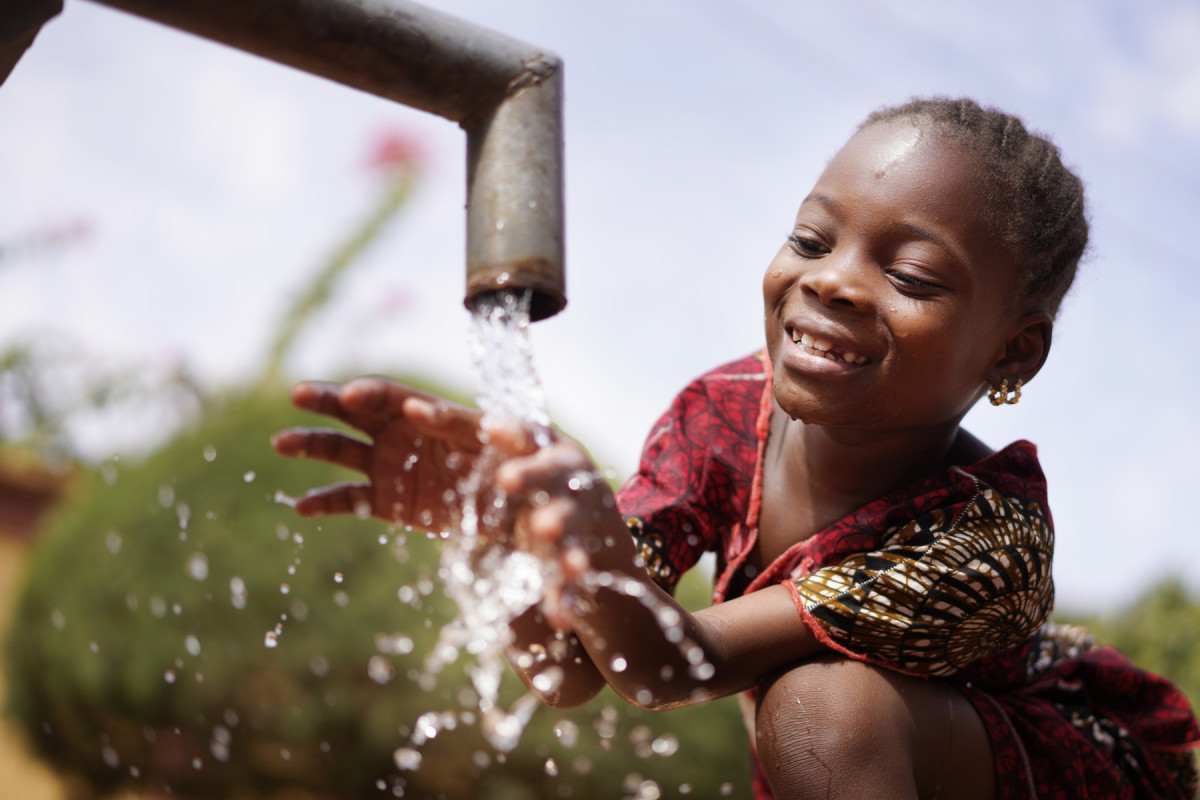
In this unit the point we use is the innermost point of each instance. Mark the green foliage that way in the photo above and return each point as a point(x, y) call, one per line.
point(1158, 632)
point(138, 656)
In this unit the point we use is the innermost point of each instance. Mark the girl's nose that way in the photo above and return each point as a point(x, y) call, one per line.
point(839, 279)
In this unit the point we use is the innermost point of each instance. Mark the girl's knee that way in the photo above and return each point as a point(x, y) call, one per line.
point(832, 703)
point(833, 727)
point(823, 726)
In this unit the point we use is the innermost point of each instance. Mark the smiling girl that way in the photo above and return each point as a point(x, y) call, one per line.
point(883, 586)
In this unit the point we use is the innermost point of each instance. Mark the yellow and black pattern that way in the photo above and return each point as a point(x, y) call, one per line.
point(941, 592)
point(652, 551)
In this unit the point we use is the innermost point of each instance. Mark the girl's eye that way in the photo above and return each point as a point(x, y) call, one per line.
point(807, 247)
point(912, 283)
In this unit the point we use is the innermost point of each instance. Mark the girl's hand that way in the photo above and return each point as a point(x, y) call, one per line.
point(420, 447)
point(565, 512)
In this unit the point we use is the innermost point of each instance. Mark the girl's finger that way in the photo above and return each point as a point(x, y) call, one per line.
point(377, 396)
point(323, 445)
point(341, 498)
point(319, 396)
point(444, 420)
point(550, 468)
point(511, 438)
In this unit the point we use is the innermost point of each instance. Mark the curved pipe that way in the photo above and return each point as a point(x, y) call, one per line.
point(506, 95)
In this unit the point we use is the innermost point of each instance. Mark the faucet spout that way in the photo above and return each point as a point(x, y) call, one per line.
point(506, 95)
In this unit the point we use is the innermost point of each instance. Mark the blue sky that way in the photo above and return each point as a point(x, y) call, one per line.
point(215, 183)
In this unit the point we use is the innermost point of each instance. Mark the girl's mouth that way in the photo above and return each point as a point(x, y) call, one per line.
point(824, 349)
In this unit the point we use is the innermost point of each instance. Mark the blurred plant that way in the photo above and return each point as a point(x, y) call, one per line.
point(397, 159)
point(42, 240)
point(156, 669)
point(51, 389)
point(163, 669)
point(1158, 632)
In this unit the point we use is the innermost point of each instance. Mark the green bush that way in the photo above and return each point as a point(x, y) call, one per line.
point(139, 654)
point(1158, 631)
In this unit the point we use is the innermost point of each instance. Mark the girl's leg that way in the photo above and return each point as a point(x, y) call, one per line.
point(837, 729)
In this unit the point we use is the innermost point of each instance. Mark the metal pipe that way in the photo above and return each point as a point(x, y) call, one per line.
point(506, 95)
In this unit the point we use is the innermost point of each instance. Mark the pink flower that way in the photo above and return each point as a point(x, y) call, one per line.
point(394, 151)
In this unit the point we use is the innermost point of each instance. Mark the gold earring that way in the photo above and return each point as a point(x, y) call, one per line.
point(999, 397)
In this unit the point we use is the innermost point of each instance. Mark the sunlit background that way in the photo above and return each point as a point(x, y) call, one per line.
point(162, 197)
point(165, 200)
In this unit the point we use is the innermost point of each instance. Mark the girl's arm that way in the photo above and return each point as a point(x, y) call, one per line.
point(651, 650)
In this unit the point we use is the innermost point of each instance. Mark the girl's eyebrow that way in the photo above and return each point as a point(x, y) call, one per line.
point(822, 199)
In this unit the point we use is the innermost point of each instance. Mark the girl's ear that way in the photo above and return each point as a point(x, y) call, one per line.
point(1024, 351)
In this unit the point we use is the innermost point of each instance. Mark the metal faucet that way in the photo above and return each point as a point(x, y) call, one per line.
point(506, 95)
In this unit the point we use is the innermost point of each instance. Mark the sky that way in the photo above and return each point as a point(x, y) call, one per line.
point(199, 188)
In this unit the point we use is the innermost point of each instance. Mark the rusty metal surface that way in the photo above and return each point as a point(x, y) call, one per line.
point(506, 94)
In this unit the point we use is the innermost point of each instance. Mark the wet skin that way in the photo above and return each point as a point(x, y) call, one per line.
point(889, 260)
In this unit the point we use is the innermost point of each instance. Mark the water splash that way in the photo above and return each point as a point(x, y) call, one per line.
point(489, 581)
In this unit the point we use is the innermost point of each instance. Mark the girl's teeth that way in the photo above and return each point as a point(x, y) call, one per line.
point(823, 347)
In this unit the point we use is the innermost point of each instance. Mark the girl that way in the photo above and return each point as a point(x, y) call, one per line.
point(884, 585)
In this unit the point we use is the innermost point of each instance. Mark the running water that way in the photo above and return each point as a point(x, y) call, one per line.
point(490, 582)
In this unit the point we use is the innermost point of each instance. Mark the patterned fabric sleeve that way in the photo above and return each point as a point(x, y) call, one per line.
point(942, 591)
point(660, 498)
point(695, 474)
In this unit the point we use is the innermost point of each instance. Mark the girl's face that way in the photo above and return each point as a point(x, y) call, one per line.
point(889, 305)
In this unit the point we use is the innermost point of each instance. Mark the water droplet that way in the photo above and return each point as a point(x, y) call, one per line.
point(112, 542)
point(726, 789)
point(338, 577)
point(220, 751)
point(271, 639)
point(111, 758)
point(551, 767)
point(169, 676)
point(58, 619)
point(284, 499)
point(197, 566)
point(237, 592)
point(665, 745)
point(380, 670)
point(210, 453)
point(618, 663)
point(567, 732)
point(407, 758)
point(362, 509)
point(248, 476)
point(284, 588)
point(192, 644)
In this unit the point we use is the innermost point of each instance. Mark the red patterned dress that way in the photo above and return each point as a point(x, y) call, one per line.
point(948, 577)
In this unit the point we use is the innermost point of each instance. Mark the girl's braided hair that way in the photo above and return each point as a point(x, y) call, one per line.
point(1034, 202)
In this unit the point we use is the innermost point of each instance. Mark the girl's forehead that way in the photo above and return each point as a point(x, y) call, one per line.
point(904, 162)
point(880, 148)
